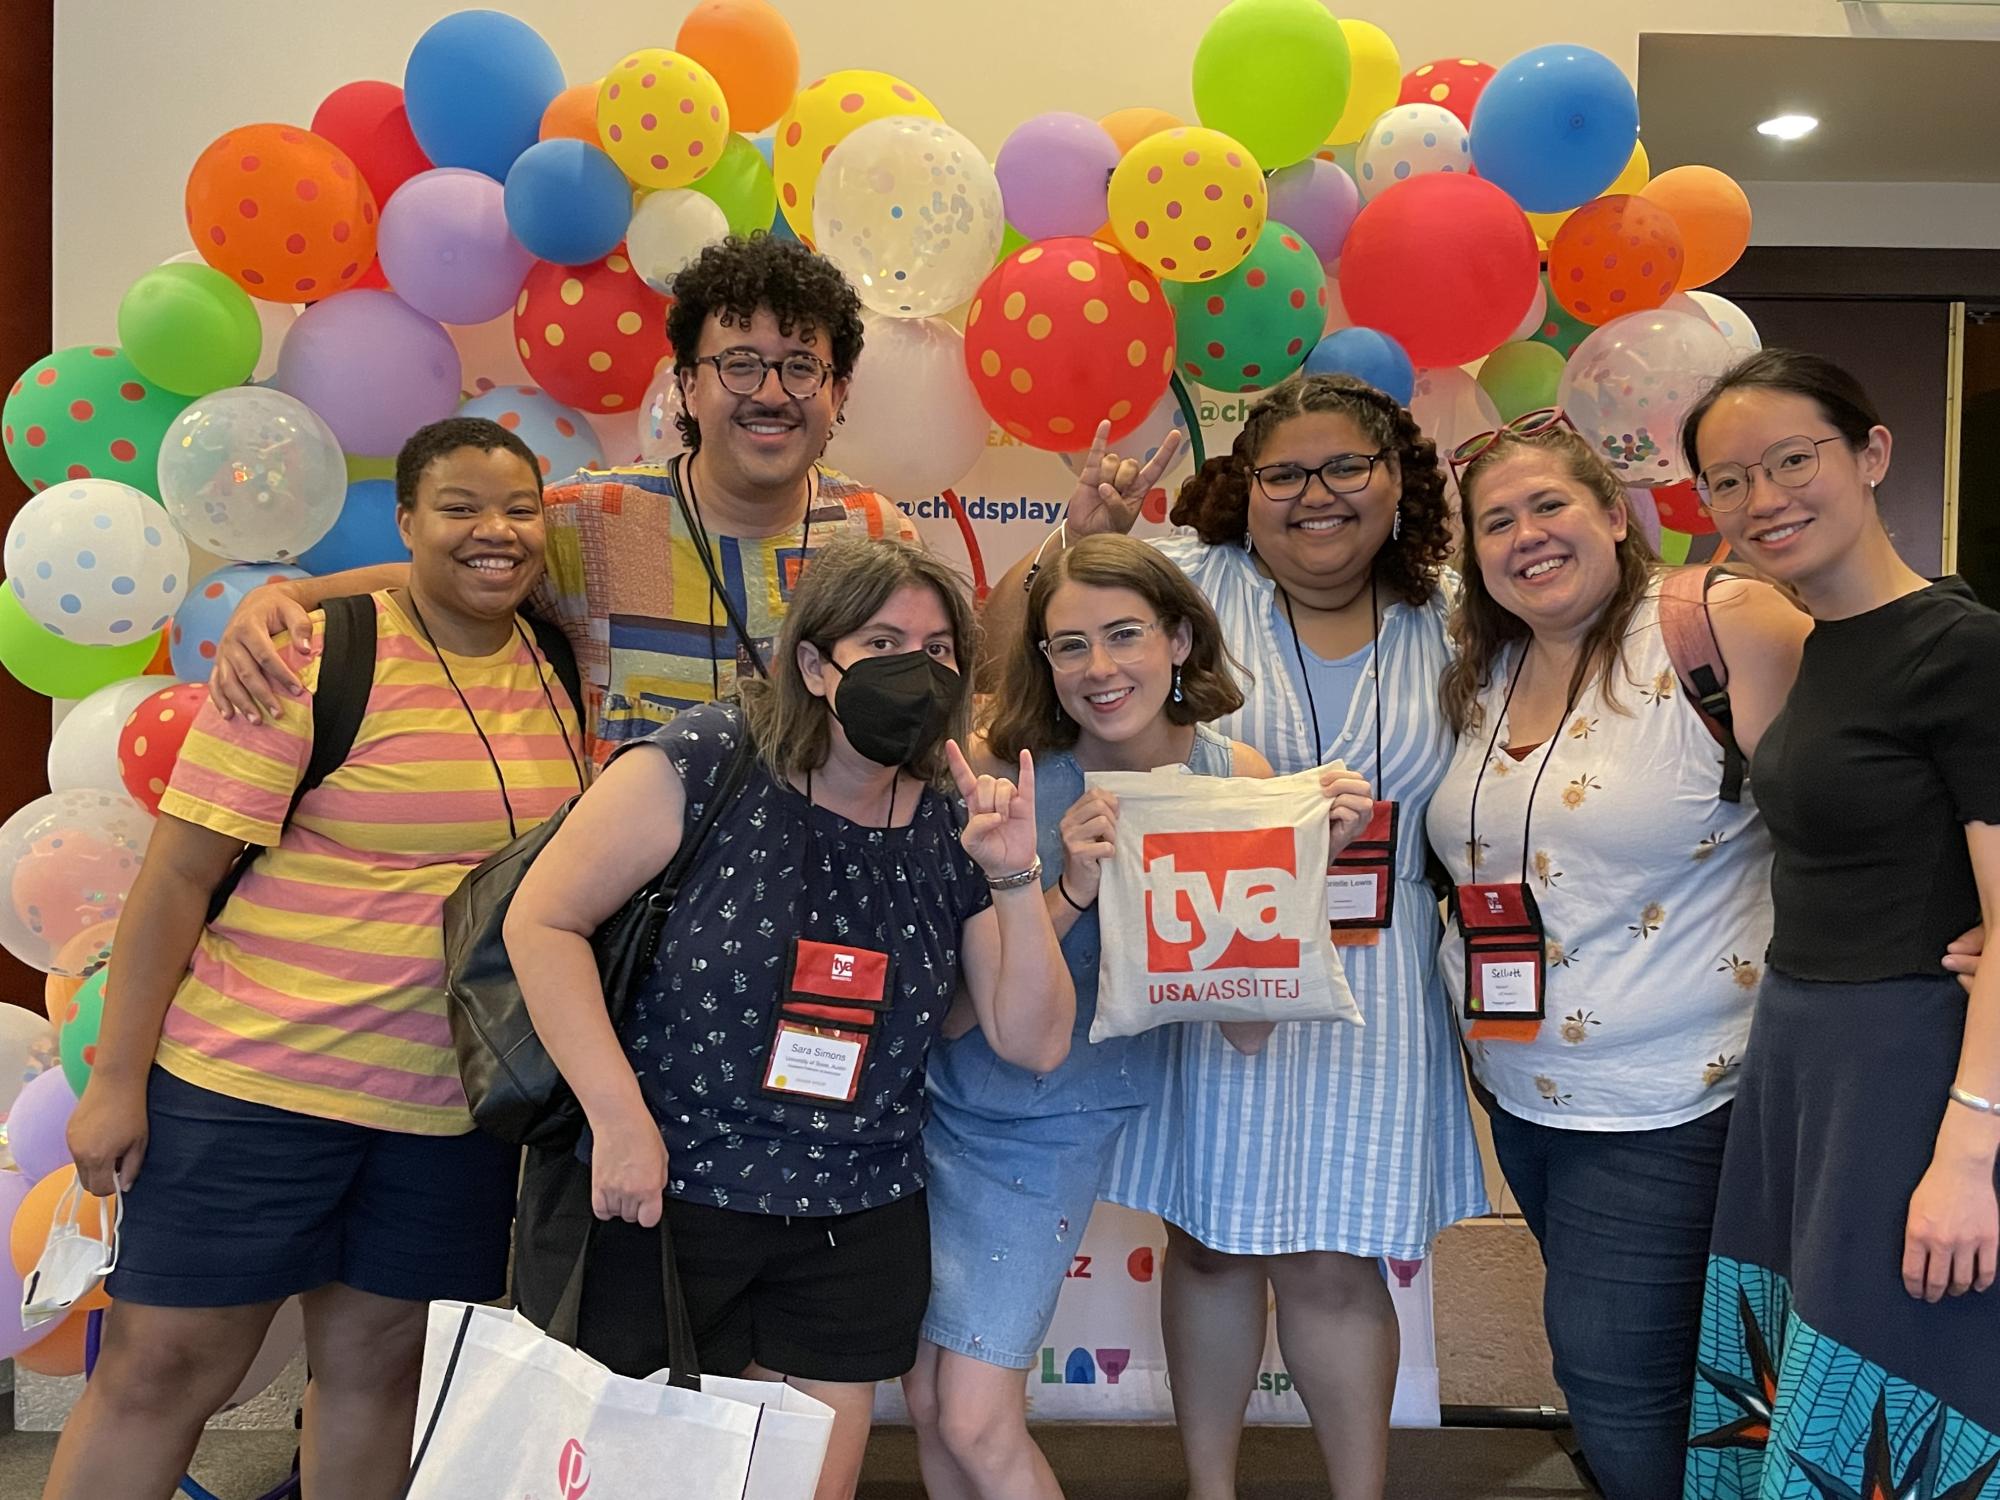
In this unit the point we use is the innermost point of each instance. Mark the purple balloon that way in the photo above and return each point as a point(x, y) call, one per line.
point(1054, 172)
point(446, 248)
point(13, 1337)
point(373, 367)
point(37, 1124)
point(1645, 513)
point(1317, 201)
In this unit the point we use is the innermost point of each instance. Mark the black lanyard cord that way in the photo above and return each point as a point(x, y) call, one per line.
point(698, 533)
point(1374, 672)
point(1528, 823)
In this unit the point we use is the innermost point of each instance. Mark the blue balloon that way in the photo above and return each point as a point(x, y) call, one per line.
point(567, 202)
point(476, 86)
point(197, 627)
point(1366, 355)
point(364, 533)
point(781, 227)
point(559, 437)
point(1555, 127)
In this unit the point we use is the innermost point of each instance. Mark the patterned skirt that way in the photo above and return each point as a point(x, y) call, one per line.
point(1820, 1378)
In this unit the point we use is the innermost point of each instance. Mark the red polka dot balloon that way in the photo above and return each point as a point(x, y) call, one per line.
point(1250, 329)
point(1454, 82)
point(1065, 334)
point(282, 213)
point(86, 413)
point(1613, 256)
point(151, 740)
point(592, 336)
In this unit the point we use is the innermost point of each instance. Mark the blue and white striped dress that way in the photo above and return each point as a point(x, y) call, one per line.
point(1335, 1137)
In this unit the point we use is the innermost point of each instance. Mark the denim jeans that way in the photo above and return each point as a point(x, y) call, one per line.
point(1623, 1220)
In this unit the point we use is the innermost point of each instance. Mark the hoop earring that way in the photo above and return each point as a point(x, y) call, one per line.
point(1177, 695)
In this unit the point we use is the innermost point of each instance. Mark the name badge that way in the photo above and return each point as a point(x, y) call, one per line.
point(1505, 960)
point(1361, 880)
point(821, 1064)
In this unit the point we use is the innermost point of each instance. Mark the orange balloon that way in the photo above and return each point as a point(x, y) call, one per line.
point(1713, 215)
point(59, 1351)
point(572, 114)
point(749, 48)
point(1128, 127)
point(1613, 256)
point(162, 664)
point(57, 992)
point(38, 1211)
point(282, 212)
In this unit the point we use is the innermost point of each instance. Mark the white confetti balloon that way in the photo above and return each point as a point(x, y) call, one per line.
point(252, 474)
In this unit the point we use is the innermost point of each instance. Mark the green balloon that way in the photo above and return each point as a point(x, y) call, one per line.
point(1521, 378)
point(1011, 239)
point(87, 413)
point(56, 668)
point(1274, 75)
point(76, 1044)
point(741, 186)
point(1251, 328)
point(1559, 330)
point(189, 328)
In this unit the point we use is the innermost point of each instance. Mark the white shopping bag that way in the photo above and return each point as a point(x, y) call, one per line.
point(1213, 905)
point(506, 1411)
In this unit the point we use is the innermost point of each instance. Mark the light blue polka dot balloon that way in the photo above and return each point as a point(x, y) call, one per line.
point(198, 622)
point(559, 437)
point(96, 562)
point(1407, 142)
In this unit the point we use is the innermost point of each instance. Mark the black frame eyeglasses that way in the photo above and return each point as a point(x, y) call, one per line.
point(1352, 479)
point(1795, 477)
point(801, 375)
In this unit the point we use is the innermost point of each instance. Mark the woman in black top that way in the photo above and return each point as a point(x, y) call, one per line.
point(1850, 1337)
point(765, 1094)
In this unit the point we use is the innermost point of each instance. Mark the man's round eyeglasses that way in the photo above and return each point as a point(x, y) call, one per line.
point(742, 372)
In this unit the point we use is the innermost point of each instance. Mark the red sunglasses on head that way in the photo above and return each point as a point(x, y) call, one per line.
point(1526, 425)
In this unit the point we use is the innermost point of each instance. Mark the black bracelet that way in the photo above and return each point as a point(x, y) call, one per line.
point(1063, 891)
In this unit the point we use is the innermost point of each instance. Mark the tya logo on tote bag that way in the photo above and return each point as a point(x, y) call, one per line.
point(573, 1471)
point(1220, 900)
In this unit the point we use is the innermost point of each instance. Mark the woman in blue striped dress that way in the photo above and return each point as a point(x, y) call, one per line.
point(1319, 540)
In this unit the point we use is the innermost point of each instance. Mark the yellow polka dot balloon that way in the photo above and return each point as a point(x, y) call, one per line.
point(1188, 203)
point(825, 113)
point(662, 118)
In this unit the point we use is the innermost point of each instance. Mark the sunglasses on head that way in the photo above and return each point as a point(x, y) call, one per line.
point(1526, 425)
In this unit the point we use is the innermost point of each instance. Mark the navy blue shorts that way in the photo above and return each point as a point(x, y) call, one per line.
point(239, 1203)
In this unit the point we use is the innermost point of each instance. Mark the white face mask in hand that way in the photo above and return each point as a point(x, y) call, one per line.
point(71, 1263)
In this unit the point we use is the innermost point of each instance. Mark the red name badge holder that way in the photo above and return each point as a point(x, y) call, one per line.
point(1505, 960)
point(1361, 880)
point(824, 1026)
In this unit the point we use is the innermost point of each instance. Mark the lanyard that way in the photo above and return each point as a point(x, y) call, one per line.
point(690, 507)
point(1528, 823)
point(1374, 672)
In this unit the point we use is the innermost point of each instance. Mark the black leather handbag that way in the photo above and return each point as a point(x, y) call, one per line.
point(515, 1090)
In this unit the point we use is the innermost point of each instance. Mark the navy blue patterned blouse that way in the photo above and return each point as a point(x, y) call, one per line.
point(775, 868)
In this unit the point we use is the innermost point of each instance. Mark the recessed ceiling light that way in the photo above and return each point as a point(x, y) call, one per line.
point(1788, 127)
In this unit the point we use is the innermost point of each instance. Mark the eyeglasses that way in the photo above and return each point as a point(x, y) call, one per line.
point(1526, 425)
point(1070, 652)
point(742, 372)
point(1343, 474)
point(1791, 462)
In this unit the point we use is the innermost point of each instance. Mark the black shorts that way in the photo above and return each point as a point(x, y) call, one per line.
point(840, 1298)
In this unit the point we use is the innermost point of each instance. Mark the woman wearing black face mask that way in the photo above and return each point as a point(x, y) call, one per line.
point(765, 1093)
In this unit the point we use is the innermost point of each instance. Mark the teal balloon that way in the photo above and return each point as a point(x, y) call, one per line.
point(77, 1042)
point(1249, 329)
point(1559, 330)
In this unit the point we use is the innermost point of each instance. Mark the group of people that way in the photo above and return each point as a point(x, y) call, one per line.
point(1767, 1250)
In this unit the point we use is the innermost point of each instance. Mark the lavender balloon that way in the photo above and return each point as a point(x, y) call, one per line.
point(14, 1338)
point(446, 248)
point(373, 367)
point(1317, 201)
point(37, 1124)
point(1054, 171)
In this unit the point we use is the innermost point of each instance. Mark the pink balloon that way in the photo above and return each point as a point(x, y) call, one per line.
point(37, 1124)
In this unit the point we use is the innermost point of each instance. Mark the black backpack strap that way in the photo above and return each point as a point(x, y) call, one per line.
point(1708, 678)
point(562, 656)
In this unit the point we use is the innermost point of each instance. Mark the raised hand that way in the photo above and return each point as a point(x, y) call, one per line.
point(1110, 490)
point(1000, 815)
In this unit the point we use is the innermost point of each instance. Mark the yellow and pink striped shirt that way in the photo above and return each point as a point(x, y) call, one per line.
point(319, 988)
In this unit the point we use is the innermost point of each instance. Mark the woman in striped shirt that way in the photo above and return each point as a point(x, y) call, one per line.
point(275, 1091)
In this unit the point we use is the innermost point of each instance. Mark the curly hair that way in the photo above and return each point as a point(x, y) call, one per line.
point(740, 276)
point(1215, 500)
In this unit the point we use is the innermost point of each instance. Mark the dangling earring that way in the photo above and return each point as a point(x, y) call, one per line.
point(1246, 538)
point(1396, 526)
point(1177, 684)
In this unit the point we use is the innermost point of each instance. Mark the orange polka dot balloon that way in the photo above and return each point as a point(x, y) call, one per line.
point(282, 213)
point(662, 118)
point(591, 336)
point(1188, 203)
point(151, 740)
point(1615, 255)
point(1454, 82)
point(1065, 334)
point(825, 113)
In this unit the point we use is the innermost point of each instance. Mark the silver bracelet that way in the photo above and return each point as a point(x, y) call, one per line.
point(1018, 879)
point(1973, 1102)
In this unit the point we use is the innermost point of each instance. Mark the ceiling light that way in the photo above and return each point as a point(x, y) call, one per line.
point(1788, 127)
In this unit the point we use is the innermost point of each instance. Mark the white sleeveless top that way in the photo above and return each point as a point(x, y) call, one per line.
point(1654, 893)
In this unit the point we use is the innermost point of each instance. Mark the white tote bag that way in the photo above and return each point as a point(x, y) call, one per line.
point(1213, 905)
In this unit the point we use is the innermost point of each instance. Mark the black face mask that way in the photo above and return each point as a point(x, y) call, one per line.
point(897, 706)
